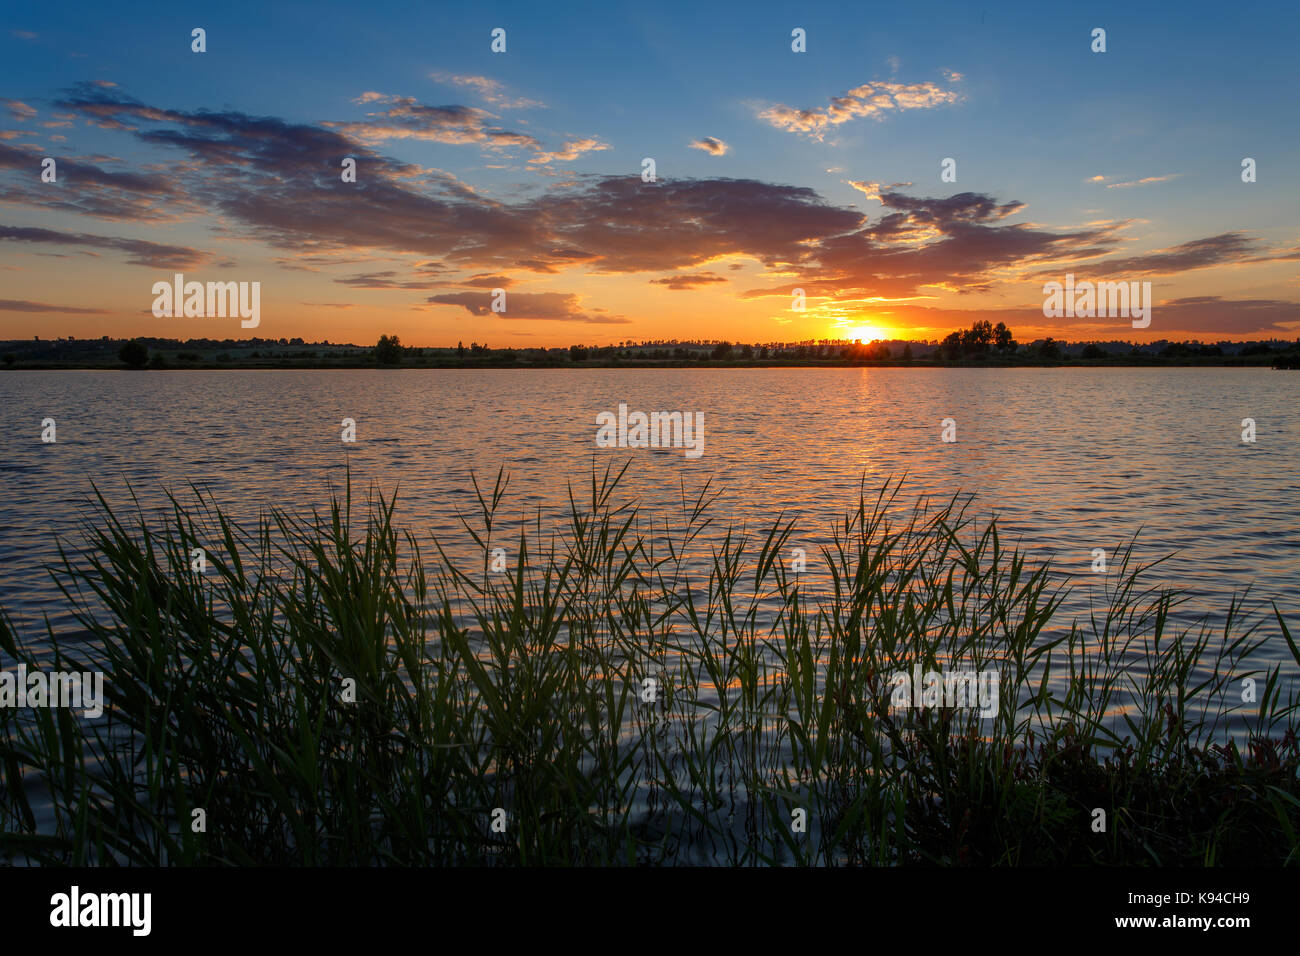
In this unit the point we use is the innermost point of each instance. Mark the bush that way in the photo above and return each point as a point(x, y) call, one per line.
point(134, 354)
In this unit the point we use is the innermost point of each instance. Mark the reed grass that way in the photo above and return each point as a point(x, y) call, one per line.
point(526, 691)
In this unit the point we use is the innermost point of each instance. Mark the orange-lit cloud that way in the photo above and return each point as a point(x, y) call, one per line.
point(711, 145)
point(571, 151)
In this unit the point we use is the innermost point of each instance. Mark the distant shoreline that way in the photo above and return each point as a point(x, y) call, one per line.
point(978, 347)
point(1266, 362)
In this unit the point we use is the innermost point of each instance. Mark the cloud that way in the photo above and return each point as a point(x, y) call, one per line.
point(490, 90)
point(958, 243)
point(690, 281)
point(571, 151)
point(19, 110)
point(874, 100)
point(275, 182)
point(1142, 182)
point(711, 145)
point(87, 187)
point(1211, 313)
point(554, 306)
point(1224, 248)
point(489, 282)
point(1205, 314)
point(869, 189)
point(24, 34)
point(407, 118)
point(139, 252)
point(22, 305)
point(387, 279)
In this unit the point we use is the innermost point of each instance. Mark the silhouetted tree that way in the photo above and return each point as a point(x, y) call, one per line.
point(951, 346)
point(1002, 338)
point(978, 338)
point(389, 350)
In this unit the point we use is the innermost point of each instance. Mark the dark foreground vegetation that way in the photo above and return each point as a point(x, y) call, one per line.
point(526, 691)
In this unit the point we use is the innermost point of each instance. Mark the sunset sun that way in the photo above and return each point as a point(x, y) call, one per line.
point(866, 332)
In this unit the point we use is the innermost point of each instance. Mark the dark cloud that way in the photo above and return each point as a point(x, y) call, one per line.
point(139, 252)
point(689, 281)
point(22, 305)
point(489, 282)
point(1212, 313)
point(87, 187)
point(387, 279)
point(1196, 254)
point(559, 306)
point(956, 243)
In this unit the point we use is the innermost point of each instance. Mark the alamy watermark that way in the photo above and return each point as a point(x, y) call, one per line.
point(178, 298)
point(971, 689)
point(75, 908)
point(23, 688)
point(653, 430)
point(1102, 300)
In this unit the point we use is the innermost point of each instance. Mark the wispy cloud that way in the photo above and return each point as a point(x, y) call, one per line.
point(140, 252)
point(488, 89)
point(22, 305)
point(1132, 182)
point(407, 118)
point(555, 306)
point(570, 151)
point(1143, 182)
point(19, 110)
point(874, 100)
point(1223, 249)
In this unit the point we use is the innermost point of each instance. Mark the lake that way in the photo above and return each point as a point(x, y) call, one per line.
point(1070, 459)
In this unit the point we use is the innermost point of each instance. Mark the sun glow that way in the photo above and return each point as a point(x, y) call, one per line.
point(865, 333)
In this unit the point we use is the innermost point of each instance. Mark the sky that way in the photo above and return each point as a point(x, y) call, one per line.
point(774, 170)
